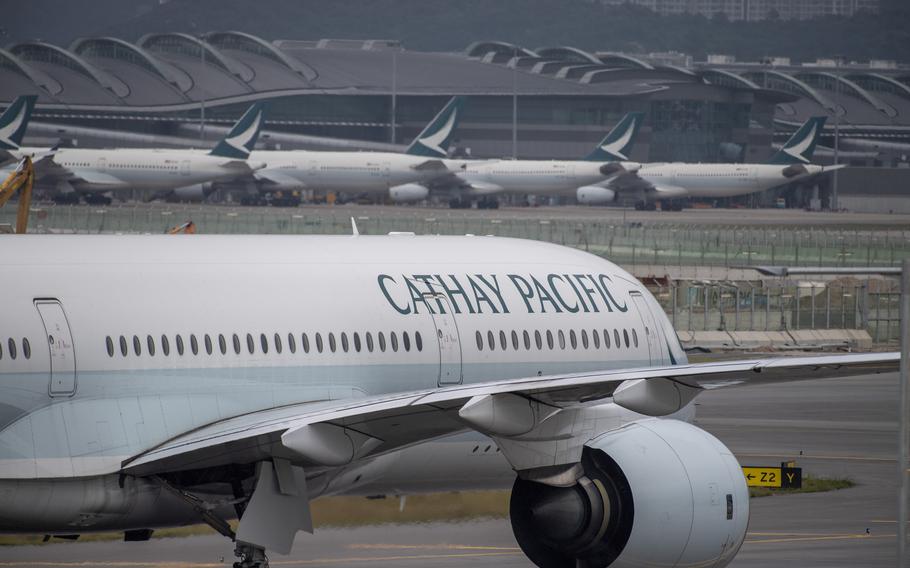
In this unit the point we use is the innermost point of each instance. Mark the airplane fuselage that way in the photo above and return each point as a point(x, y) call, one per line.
point(543, 177)
point(91, 374)
point(717, 180)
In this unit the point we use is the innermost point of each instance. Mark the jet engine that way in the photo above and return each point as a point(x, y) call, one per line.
point(655, 492)
point(191, 193)
point(408, 192)
point(594, 195)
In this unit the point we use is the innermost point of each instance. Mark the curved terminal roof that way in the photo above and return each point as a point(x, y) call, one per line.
point(241, 41)
point(77, 78)
point(23, 69)
point(623, 60)
point(482, 48)
point(568, 53)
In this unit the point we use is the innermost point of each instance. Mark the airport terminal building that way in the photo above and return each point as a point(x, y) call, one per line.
point(165, 87)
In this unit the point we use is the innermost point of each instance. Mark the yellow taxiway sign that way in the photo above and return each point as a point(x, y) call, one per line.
point(777, 477)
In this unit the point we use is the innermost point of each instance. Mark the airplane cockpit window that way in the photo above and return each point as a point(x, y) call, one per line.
point(107, 341)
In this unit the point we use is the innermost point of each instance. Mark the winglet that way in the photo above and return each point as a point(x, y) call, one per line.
point(618, 143)
point(800, 147)
point(14, 121)
point(240, 141)
point(434, 140)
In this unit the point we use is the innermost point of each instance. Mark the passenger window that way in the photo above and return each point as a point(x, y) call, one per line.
point(179, 344)
point(11, 347)
point(502, 340)
point(292, 343)
point(250, 344)
point(625, 334)
point(26, 348)
point(107, 341)
point(584, 338)
point(344, 341)
point(151, 345)
point(607, 338)
point(137, 345)
point(1, 350)
point(479, 337)
point(514, 340)
point(616, 338)
point(208, 343)
point(222, 344)
point(527, 338)
point(537, 339)
point(194, 345)
point(306, 343)
point(369, 342)
point(356, 342)
point(264, 343)
point(236, 341)
point(277, 344)
point(165, 345)
point(418, 341)
point(406, 341)
point(393, 341)
point(332, 344)
point(596, 337)
point(562, 339)
point(491, 341)
point(381, 337)
point(319, 342)
point(634, 338)
point(549, 339)
point(573, 340)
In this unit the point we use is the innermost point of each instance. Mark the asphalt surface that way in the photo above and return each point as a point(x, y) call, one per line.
point(837, 428)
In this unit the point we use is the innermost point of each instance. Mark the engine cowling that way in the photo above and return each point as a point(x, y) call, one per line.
point(408, 192)
point(655, 492)
point(191, 193)
point(594, 194)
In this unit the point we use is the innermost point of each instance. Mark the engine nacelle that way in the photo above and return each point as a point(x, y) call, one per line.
point(191, 193)
point(408, 192)
point(594, 195)
point(655, 492)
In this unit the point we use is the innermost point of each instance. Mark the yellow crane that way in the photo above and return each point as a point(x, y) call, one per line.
point(21, 179)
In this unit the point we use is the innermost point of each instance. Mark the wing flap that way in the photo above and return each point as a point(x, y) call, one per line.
point(405, 419)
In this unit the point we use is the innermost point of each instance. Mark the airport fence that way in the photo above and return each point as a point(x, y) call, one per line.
point(873, 305)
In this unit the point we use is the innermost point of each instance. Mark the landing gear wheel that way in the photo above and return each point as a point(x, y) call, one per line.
point(250, 555)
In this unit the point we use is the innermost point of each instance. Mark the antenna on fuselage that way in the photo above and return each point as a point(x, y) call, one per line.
point(355, 231)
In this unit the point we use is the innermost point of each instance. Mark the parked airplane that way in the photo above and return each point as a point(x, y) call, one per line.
point(78, 172)
point(669, 181)
point(130, 407)
point(486, 178)
point(13, 123)
point(398, 176)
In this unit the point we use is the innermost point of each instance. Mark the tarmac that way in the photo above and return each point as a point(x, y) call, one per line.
point(834, 428)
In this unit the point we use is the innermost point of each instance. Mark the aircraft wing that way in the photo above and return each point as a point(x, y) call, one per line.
point(430, 165)
point(275, 177)
point(335, 433)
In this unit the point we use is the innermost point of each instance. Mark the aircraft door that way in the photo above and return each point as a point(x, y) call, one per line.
point(60, 346)
point(652, 336)
point(447, 337)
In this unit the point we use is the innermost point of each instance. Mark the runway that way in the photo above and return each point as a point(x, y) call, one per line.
point(838, 428)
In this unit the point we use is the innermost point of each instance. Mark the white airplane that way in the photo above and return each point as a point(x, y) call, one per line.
point(72, 172)
point(398, 176)
point(129, 406)
point(485, 178)
point(668, 181)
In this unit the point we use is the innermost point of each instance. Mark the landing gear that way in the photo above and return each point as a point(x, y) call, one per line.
point(488, 203)
point(250, 555)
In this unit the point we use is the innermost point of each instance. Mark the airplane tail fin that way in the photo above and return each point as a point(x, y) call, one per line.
point(240, 141)
point(14, 121)
point(800, 147)
point(617, 144)
point(434, 140)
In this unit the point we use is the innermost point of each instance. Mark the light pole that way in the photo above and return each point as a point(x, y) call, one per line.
point(834, 203)
point(394, 92)
point(515, 103)
point(202, 91)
